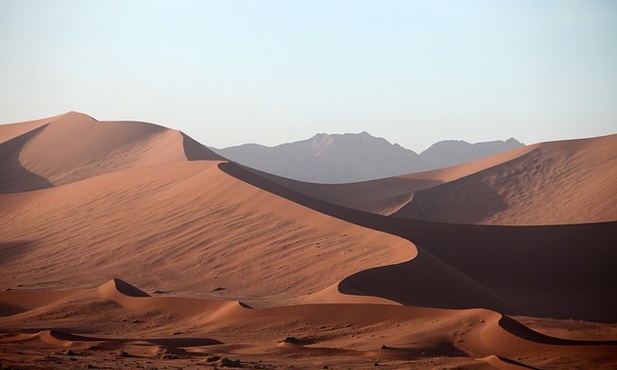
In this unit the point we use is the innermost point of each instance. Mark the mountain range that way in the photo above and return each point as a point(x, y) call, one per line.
point(342, 158)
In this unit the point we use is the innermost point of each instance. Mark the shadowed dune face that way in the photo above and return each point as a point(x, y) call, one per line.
point(122, 287)
point(12, 130)
point(195, 151)
point(14, 177)
point(414, 283)
point(384, 197)
point(477, 204)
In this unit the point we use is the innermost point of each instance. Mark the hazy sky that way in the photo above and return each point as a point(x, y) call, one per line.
point(230, 72)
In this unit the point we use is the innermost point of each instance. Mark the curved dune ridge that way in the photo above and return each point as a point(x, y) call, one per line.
point(386, 196)
point(352, 333)
point(193, 228)
point(538, 270)
point(232, 261)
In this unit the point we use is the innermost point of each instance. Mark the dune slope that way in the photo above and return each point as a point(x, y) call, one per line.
point(183, 226)
point(554, 183)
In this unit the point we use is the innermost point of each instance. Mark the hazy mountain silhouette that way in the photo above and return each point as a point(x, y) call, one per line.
point(341, 158)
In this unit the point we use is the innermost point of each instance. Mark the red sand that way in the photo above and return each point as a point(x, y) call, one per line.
point(83, 202)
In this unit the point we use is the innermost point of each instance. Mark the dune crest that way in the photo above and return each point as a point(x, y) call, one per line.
point(554, 183)
point(116, 286)
point(10, 131)
point(74, 146)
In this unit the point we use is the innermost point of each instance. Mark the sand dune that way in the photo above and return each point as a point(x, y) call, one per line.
point(541, 270)
point(554, 183)
point(387, 196)
point(198, 231)
point(212, 229)
point(356, 335)
point(192, 229)
point(74, 146)
point(116, 286)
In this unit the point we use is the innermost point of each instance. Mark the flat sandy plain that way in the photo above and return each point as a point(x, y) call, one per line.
point(130, 245)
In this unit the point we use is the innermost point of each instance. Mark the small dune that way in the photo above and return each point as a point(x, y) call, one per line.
point(397, 336)
point(116, 286)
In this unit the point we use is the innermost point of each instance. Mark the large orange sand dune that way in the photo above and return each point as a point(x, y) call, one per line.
point(189, 228)
point(74, 146)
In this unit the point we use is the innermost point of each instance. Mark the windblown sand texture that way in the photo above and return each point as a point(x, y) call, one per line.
point(126, 245)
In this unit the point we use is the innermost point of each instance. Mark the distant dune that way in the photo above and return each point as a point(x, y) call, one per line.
point(348, 158)
point(129, 243)
point(543, 184)
point(553, 183)
point(387, 195)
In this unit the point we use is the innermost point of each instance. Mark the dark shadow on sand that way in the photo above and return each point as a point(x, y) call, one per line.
point(551, 260)
point(195, 151)
point(444, 202)
point(14, 177)
point(12, 251)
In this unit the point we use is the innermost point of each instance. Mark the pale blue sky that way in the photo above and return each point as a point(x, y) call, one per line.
point(231, 72)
